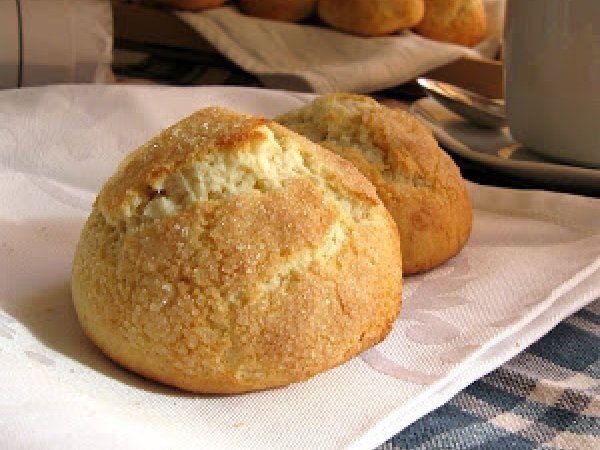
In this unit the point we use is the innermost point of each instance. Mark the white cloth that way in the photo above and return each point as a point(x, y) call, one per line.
point(533, 258)
point(55, 41)
point(317, 59)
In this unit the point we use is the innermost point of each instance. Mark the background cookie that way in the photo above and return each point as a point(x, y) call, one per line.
point(456, 21)
point(417, 181)
point(369, 17)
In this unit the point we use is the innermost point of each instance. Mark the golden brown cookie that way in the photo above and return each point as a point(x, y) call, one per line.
point(370, 17)
point(416, 180)
point(230, 254)
point(456, 21)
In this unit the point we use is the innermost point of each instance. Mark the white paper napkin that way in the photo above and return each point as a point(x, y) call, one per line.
point(317, 59)
point(533, 258)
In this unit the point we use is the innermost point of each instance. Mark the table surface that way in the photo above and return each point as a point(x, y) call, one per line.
point(548, 397)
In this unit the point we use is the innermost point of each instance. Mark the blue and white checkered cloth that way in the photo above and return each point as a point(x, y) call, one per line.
point(546, 398)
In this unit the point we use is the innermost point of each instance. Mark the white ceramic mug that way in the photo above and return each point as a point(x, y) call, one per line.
point(552, 77)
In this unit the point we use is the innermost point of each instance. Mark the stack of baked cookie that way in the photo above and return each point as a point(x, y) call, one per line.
point(231, 253)
point(457, 21)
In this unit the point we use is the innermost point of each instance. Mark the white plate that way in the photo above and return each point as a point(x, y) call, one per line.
point(497, 150)
point(532, 259)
